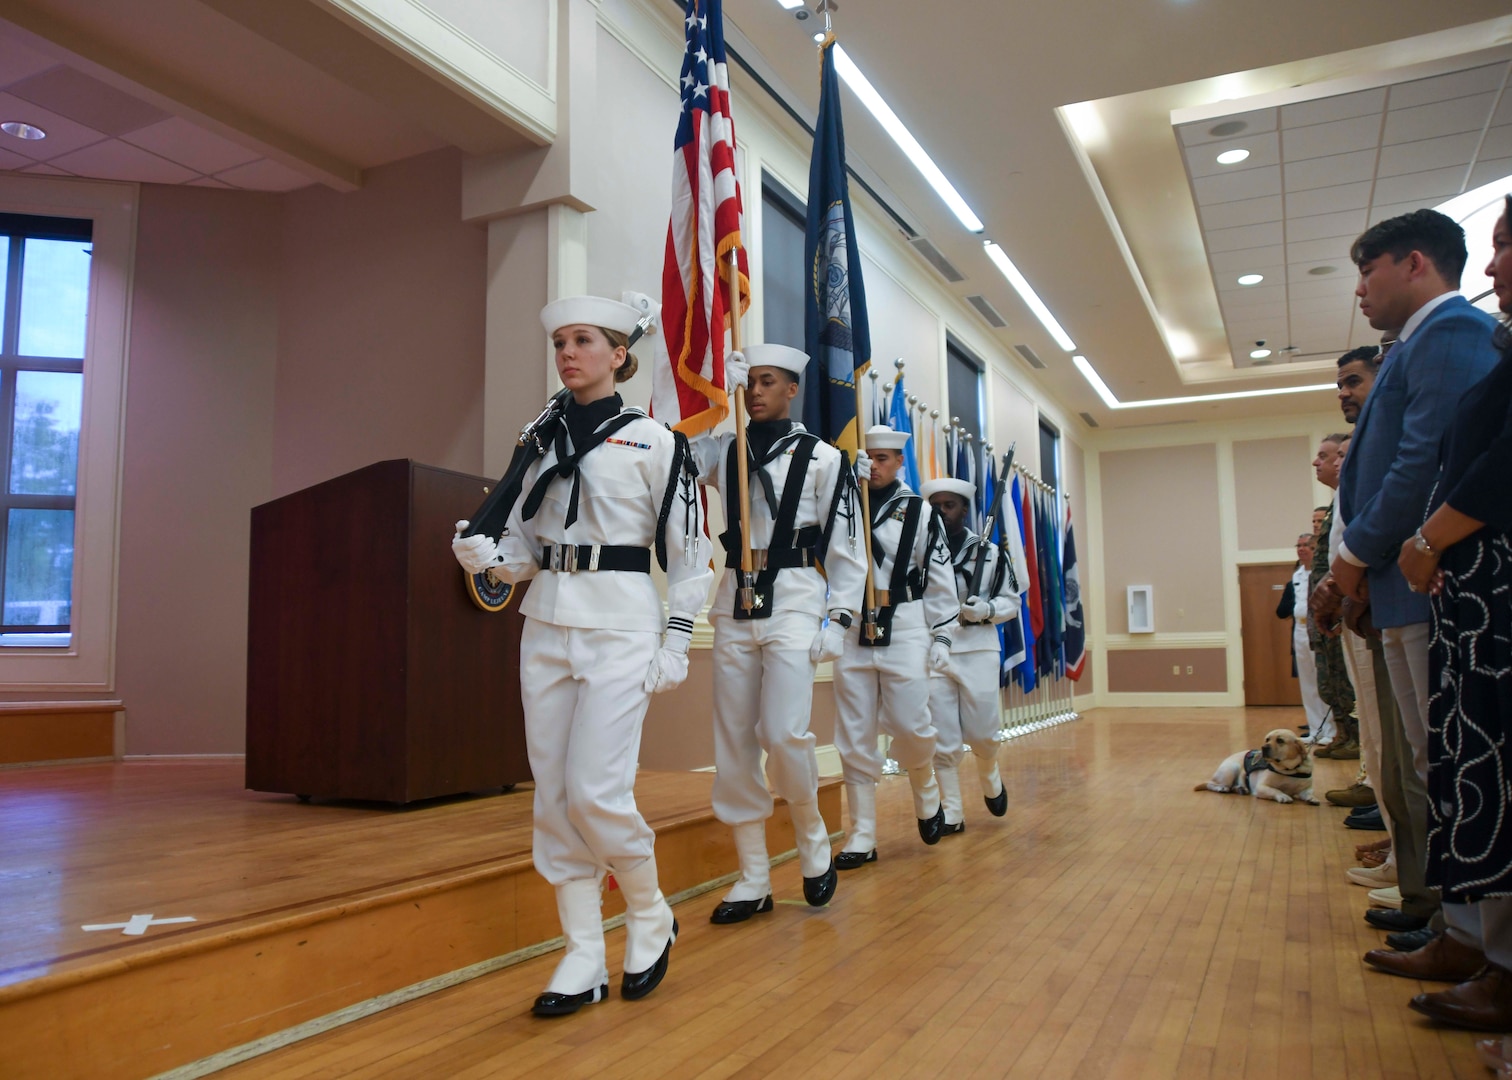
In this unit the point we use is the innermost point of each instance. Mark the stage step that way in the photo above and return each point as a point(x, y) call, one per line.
point(103, 1005)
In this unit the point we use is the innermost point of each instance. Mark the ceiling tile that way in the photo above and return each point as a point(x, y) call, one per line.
point(1498, 143)
point(115, 160)
point(1343, 272)
point(1322, 288)
point(18, 62)
point(1390, 210)
point(264, 175)
point(1487, 171)
point(1202, 131)
point(191, 145)
point(1428, 154)
point(1245, 212)
point(1303, 307)
point(1255, 260)
point(63, 135)
point(1432, 186)
point(1439, 118)
point(87, 101)
point(1265, 149)
point(9, 160)
point(1230, 187)
point(1456, 84)
point(1269, 299)
point(1331, 250)
point(1329, 200)
point(1504, 110)
point(1338, 107)
point(1348, 223)
point(1337, 137)
point(1330, 171)
point(44, 169)
point(1244, 237)
point(210, 182)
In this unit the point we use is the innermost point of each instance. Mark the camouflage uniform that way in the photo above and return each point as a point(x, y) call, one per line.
point(1334, 686)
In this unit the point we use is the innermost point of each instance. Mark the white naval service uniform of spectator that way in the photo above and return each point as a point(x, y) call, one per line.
point(882, 686)
point(803, 515)
point(614, 491)
point(1320, 726)
point(965, 699)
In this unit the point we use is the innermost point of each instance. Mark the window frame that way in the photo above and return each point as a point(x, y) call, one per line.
point(955, 349)
point(87, 661)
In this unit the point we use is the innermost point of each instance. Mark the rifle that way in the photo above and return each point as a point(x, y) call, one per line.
point(491, 518)
point(997, 503)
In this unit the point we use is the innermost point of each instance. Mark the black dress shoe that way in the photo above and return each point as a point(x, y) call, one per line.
point(1365, 812)
point(636, 986)
point(1392, 919)
point(734, 911)
point(997, 805)
point(818, 890)
point(549, 1004)
point(931, 829)
point(1410, 940)
point(1370, 822)
point(854, 860)
point(950, 830)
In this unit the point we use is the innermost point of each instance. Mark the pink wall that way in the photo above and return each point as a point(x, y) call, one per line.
point(380, 335)
point(198, 455)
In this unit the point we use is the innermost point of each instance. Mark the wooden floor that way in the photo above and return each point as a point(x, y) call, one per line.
point(1115, 924)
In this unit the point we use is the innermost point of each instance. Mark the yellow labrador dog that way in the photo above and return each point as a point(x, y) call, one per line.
point(1280, 770)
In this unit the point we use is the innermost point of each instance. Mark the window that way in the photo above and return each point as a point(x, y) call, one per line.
point(964, 373)
point(783, 227)
point(1049, 454)
point(42, 343)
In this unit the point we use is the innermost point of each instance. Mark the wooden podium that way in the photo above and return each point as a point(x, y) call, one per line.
point(370, 673)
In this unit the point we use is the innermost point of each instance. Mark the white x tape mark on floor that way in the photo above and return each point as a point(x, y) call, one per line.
point(138, 924)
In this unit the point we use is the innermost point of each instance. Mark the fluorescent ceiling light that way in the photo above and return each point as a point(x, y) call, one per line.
point(789, 5)
point(819, 36)
point(1028, 295)
point(1232, 157)
point(1090, 374)
point(864, 90)
point(1259, 354)
point(1251, 279)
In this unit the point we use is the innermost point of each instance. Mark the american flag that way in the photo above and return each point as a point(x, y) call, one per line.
point(689, 393)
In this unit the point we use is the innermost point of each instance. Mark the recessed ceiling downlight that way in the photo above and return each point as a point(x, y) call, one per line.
point(1319, 271)
point(1232, 157)
point(20, 130)
point(1228, 127)
point(1251, 279)
point(1259, 354)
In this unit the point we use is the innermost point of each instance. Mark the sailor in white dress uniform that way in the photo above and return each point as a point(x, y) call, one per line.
point(965, 699)
point(614, 491)
point(803, 516)
point(881, 681)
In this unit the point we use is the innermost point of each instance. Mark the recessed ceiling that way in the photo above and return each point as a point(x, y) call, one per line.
point(1322, 166)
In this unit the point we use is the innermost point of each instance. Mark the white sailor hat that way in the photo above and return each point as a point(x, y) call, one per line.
point(882, 437)
point(589, 311)
point(779, 356)
point(964, 488)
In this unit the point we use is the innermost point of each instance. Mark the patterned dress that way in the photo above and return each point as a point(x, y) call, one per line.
point(1470, 656)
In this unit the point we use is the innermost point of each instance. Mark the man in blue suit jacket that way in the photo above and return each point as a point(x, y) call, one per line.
point(1410, 270)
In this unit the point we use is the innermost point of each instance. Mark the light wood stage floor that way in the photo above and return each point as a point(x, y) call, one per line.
point(1115, 924)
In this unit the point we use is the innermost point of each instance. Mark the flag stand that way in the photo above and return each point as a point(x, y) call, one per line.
point(746, 594)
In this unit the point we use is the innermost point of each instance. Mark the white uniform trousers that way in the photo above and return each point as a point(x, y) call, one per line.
point(964, 706)
point(762, 701)
point(883, 689)
point(1320, 725)
point(584, 705)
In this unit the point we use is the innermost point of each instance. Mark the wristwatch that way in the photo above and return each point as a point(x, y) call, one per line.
point(1421, 546)
point(841, 617)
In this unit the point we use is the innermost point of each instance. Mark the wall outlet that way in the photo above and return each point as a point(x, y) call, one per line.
point(1175, 669)
point(1189, 669)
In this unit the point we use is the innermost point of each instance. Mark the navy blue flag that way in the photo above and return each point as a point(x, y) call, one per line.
point(836, 334)
point(1076, 636)
point(1024, 670)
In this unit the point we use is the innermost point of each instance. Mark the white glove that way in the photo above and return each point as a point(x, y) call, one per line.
point(939, 656)
point(975, 610)
point(828, 643)
point(475, 553)
point(669, 667)
point(863, 466)
point(737, 371)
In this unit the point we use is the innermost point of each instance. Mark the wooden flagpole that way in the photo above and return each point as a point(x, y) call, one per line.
point(869, 616)
point(746, 595)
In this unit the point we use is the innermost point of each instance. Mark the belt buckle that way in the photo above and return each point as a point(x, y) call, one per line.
point(593, 557)
point(569, 558)
point(758, 559)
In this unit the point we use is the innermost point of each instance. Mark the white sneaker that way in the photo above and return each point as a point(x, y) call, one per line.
point(1372, 877)
point(1387, 898)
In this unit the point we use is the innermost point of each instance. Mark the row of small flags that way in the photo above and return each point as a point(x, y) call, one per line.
point(703, 234)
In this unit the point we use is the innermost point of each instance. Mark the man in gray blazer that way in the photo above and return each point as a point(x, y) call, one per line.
point(1409, 280)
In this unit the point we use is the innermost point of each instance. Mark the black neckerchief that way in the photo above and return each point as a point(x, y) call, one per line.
point(880, 497)
point(957, 540)
point(762, 435)
point(583, 420)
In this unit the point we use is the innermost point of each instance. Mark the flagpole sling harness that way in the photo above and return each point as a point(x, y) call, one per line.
point(906, 583)
point(992, 513)
point(788, 548)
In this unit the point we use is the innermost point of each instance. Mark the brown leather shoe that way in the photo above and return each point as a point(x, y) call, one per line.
point(1348, 751)
point(1441, 960)
point(1483, 1003)
point(1354, 795)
